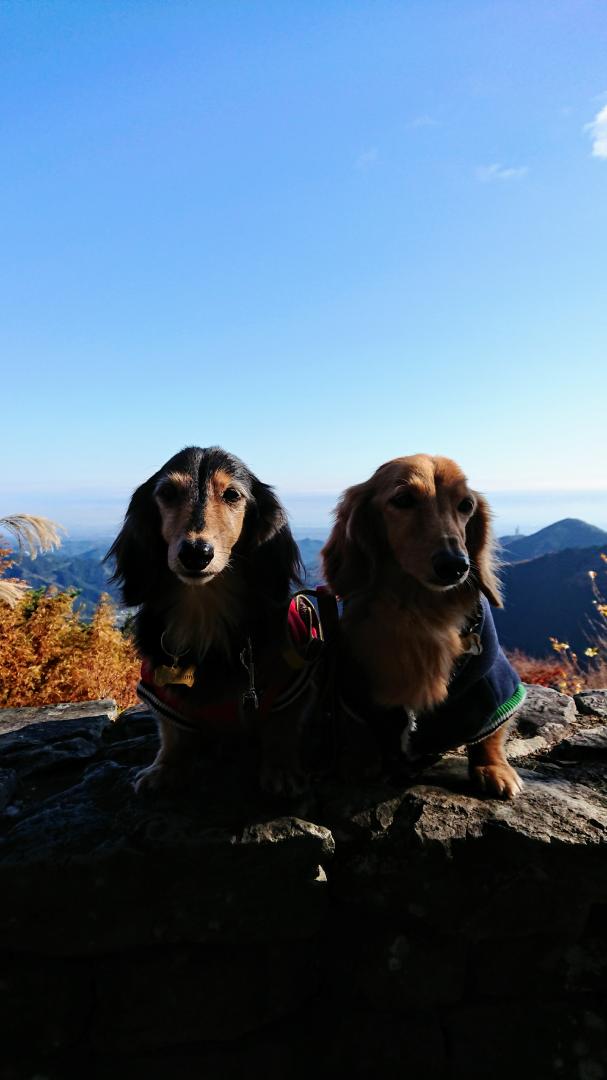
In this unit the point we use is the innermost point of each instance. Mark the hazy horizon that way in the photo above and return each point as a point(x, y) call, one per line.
point(90, 515)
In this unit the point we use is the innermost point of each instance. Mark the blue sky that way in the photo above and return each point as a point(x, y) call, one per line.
point(318, 234)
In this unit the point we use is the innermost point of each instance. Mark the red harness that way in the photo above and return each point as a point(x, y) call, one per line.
point(227, 717)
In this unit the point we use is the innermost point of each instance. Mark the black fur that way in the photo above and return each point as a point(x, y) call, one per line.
point(265, 555)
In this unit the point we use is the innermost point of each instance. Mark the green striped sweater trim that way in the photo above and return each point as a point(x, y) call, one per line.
point(502, 713)
point(511, 705)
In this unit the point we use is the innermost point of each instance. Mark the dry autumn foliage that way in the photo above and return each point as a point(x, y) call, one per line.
point(48, 654)
point(33, 534)
point(566, 675)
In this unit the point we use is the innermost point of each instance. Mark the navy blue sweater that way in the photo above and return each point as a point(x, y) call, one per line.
point(484, 692)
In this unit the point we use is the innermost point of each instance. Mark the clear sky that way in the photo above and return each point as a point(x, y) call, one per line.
point(319, 234)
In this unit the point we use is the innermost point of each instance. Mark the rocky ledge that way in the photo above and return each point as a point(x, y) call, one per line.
point(374, 931)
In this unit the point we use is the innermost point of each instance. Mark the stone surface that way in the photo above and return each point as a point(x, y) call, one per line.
point(43, 1007)
point(185, 995)
point(116, 871)
point(374, 930)
point(440, 857)
point(543, 720)
point(589, 743)
point(8, 785)
point(200, 866)
point(385, 1046)
point(546, 961)
point(48, 739)
point(593, 702)
point(14, 719)
point(553, 1040)
point(391, 969)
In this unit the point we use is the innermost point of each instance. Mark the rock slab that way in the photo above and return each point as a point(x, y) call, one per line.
point(379, 928)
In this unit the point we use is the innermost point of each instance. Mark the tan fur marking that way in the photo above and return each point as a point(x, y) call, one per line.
point(223, 521)
point(174, 519)
point(179, 479)
point(489, 768)
point(222, 526)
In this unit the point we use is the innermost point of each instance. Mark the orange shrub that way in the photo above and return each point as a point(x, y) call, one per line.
point(48, 655)
point(547, 672)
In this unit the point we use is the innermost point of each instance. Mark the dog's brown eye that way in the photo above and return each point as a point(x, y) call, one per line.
point(404, 500)
point(231, 495)
point(466, 506)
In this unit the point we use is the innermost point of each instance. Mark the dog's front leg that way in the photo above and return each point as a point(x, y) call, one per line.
point(489, 769)
point(283, 770)
point(173, 763)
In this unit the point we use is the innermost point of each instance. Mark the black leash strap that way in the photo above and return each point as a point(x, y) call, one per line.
point(250, 700)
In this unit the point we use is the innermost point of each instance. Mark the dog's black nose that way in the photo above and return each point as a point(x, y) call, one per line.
point(195, 554)
point(450, 566)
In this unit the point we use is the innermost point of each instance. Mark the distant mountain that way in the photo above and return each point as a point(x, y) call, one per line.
point(568, 533)
point(78, 564)
point(310, 555)
point(98, 545)
point(550, 596)
point(546, 595)
point(505, 541)
point(75, 565)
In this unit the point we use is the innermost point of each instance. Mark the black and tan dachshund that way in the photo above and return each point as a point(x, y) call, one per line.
point(207, 555)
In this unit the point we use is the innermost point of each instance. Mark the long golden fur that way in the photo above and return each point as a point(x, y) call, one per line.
point(403, 623)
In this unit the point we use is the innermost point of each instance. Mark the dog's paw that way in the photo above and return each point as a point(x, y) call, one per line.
point(158, 778)
point(496, 781)
point(288, 783)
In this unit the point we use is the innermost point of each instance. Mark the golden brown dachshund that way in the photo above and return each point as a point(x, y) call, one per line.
point(411, 555)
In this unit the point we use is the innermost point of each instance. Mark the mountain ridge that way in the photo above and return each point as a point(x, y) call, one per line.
point(559, 536)
point(548, 594)
point(551, 596)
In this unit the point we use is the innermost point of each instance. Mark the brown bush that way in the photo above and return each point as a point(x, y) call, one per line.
point(547, 672)
point(566, 674)
point(48, 655)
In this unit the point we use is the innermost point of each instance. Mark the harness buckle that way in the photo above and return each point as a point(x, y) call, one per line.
point(250, 699)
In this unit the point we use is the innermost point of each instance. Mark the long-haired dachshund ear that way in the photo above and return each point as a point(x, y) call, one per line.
point(269, 515)
point(348, 557)
point(479, 542)
point(271, 549)
point(139, 550)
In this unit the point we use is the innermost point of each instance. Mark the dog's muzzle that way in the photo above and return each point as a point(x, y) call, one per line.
point(450, 567)
point(194, 556)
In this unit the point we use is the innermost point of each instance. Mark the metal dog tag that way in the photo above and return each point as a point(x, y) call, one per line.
point(174, 676)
